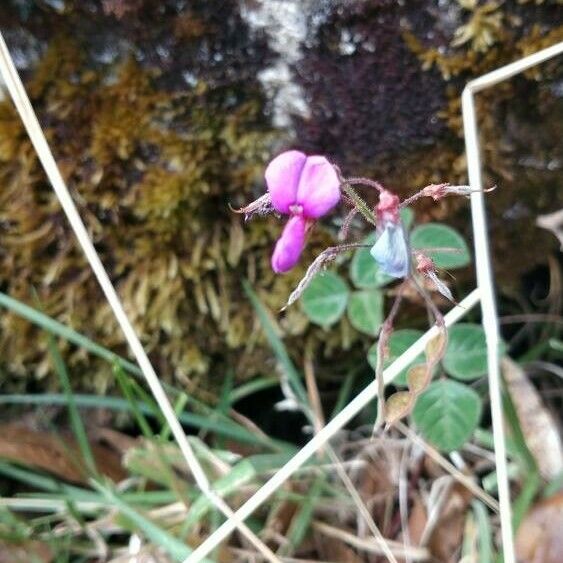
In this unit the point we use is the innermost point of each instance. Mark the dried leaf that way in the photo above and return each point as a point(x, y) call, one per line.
point(24, 552)
point(236, 243)
point(447, 536)
point(279, 518)
point(552, 222)
point(331, 549)
point(398, 406)
point(539, 538)
point(56, 454)
point(538, 426)
point(440, 286)
point(261, 206)
point(418, 519)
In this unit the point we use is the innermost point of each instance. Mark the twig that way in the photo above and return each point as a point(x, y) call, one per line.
point(318, 421)
point(373, 545)
point(404, 499)
point(449, 467)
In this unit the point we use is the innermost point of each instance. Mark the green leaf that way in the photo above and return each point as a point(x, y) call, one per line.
point(466, 353)
point(365, 311)
point(435, 235)
point(324, 301)
point(399, 342)
point(364, 271)
point(407, 217)
point(447, 414)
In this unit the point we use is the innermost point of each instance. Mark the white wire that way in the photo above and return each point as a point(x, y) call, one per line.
point(327, 432)
point(510, 70)
point(485, 279)
point(370, 392)
point(490, 320)
point(23, 105)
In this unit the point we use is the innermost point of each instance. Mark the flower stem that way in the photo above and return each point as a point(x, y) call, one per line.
point(359, 203)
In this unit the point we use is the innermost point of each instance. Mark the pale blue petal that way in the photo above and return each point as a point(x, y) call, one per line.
point(391, 251)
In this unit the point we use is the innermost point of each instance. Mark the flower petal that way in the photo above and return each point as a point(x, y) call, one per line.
point(319, 187)
point(282, 178)
point(289, 246)
point(391, 252)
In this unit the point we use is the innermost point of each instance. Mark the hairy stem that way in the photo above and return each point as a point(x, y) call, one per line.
point(359, 203)
point(384, 335)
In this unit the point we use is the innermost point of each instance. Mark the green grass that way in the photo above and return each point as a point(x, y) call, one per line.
point(156, 460)
point(157, 474)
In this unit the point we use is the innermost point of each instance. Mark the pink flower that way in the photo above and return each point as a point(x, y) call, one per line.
point(305, 188)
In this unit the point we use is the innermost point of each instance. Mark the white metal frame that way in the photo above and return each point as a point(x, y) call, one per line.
point(485, 280)
point(484, 293)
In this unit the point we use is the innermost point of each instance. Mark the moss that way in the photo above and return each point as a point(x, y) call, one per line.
point(158, 126)
point(483, 28)
point(152, 173)
point(513, 117)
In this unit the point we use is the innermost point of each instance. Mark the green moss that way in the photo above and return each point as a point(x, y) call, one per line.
point(153, 173)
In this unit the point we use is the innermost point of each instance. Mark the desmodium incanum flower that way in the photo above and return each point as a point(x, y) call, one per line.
point(391, 250)
point(305, 188)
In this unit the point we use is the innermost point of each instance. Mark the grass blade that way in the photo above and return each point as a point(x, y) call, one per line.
point(485, 535)
point(228, 429)
point(252, 387)
point(241, 474)
point(58, 329)
point(125, 385)
point(524, 500)
point(300, 523)
point(172, 545)
point(74, 415)
point(277, 345)
point(344, 393)
point(179, 407)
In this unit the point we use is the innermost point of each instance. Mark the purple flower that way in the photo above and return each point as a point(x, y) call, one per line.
point(290, 245)
point(305, 188)
point(391, 250)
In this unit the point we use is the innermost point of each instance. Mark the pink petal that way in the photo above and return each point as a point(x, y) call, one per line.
point(289, 246)
point(319, 187)
point(282, 178)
